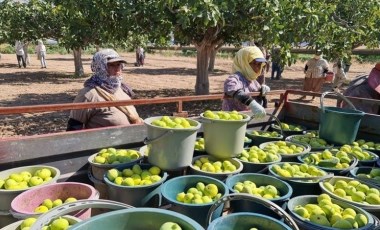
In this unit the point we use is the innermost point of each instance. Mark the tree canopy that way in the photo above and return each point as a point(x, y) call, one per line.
point(335, 26)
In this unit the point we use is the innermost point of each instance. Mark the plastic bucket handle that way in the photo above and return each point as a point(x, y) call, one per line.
point(75, 206)
point(269, 204)
point(337, 94)
point(278, 122)
point(147, 141)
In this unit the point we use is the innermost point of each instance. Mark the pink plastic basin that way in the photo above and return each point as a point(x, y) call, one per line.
point(24, 204)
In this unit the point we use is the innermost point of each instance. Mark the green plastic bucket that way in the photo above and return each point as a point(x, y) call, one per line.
point(224, 138)
point(246, 220)
point(137, 219)
point(339, 125)
point(137, 196)
point(197, 212)
point(169, 148)
point(302, 185)
point(260, 180)
point(258, 200)
point(306, 224)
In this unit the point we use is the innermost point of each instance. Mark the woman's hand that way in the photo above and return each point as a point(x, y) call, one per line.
point(257, 110)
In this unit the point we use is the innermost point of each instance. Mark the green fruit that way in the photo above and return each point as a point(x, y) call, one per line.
point(28, 222)
point(358, 196)
point(170, 226)
point(70, 199)
point(361, 219)
point(374, 172)
point(112, 174)
point(342, 224)
point(320, 220)
point(373, 199)
point(48, 203)
point(60, 224)
point(57, 202)
point(328, 186)
point(301, 211)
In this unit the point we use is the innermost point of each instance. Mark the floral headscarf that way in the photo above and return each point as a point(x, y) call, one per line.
point(242, 59)
point(101, 78)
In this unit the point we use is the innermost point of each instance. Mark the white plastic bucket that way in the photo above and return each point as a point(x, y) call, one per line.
point(170, 148)
point(224, 138)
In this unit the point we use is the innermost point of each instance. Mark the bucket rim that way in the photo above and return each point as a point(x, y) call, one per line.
point(31, 167)
point(148, 121)
point(157, 183)
point(306, 147)
point(250, 135)
point(348, 205)
point(353, 163)
point(176, 179)
point(212, 226)
point(246, 118)
point(94, 194)
point(270, 169)
point(354, 112)
point(281, 198)
point(233, 159)
point(361, 205)
point(187, 219)
point(261, 163)
point(106, 166)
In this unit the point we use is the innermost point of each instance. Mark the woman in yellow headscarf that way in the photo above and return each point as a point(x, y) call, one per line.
point(247, 66)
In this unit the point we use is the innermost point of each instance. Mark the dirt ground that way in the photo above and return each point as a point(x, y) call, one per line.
point(161, 76)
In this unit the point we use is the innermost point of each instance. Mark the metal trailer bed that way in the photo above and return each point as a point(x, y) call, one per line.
point(69, 151)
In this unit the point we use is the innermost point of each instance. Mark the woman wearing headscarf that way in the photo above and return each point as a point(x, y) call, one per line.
point(365, 86)
point(104, 85)
point(41, 53)
point(247, 67)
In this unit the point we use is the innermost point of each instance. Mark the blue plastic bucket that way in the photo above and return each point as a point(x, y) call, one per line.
point(246, 220)
point(306, 224)
point(138, 196)
point(197, 212)
point(283, 188)
point(302, 186)
point(365, 170)
point(136, 219)
point(339, 125)
point(373, 209)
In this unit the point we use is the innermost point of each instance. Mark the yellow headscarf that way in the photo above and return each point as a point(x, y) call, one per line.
point(242, 59)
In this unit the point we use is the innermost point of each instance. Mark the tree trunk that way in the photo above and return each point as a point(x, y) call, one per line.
point(202, 86)
point(211, 64)
point(213, 53)
point(78, 62)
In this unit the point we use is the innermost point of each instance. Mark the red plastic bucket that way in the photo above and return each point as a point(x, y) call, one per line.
point(24, 204)
point(329, 77)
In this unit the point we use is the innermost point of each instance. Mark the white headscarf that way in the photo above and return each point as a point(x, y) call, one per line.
point(242, 59)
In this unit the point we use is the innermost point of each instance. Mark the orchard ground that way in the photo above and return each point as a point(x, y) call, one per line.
point(161, 76)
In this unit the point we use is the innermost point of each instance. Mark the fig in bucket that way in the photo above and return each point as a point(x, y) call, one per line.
point(135, 176)
point(116, 156)
point(199, 194)
point(170, 226)
point(25, 179)
point(264, 191)
point(223, 115)
point(217, 166)
point(257, 155)
point(48, 204)
point(172, 122)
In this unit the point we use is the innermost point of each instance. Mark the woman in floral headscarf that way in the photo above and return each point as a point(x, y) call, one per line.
point(247, 67)
point(104, 85)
